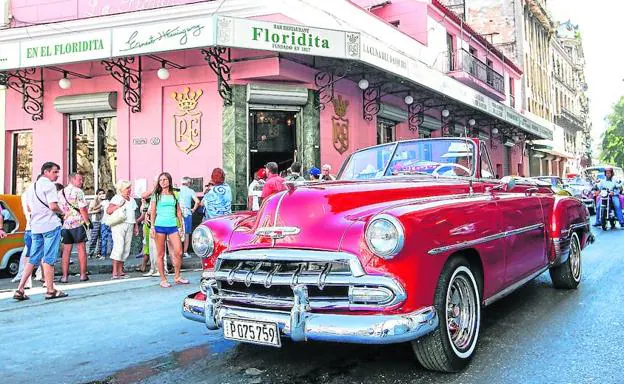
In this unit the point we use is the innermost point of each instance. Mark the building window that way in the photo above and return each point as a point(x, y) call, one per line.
point(512, 92)
point(93, 151)
point(424, 133)
point(21, 162)
point(472, 51)
point(385, 131)
point(450, 52)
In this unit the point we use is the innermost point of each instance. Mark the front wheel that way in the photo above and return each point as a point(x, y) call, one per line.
point(568, 274)
point(13, 265)
point(458, 303)
point(603, 219)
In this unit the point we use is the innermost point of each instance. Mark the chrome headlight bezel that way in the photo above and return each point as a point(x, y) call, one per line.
point(400, 235)
point(202, 241)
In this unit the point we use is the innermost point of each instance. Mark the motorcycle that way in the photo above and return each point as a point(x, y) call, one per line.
point(607, 211)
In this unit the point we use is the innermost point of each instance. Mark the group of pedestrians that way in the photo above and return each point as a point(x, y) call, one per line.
point(59, 217)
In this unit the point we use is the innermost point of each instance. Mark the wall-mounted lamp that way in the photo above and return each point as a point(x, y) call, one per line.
point(472, 122)
point(409, 100)
point(163, 73)
point(494, 131)
point(445, 113)
point(363, 84)
point(64, 83)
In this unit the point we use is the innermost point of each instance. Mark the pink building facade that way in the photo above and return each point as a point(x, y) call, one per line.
point(126, 91)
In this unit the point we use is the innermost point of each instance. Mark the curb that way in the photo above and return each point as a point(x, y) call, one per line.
point(106, 267)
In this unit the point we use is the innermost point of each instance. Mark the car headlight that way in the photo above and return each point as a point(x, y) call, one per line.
point(385, 236)
point(203, 241)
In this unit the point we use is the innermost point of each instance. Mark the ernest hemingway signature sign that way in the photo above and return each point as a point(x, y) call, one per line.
point(160, 37)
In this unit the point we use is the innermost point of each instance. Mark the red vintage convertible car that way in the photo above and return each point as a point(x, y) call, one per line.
point(406, 246)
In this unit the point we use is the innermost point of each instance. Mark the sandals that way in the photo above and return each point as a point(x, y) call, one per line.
point(20, 296)
point(85, 279)
point(61, 281)
point(181, 281)
point(165, 284)
point(56, 294)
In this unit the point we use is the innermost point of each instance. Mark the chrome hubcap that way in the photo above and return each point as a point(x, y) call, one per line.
point(575, 258)
point(461, 312)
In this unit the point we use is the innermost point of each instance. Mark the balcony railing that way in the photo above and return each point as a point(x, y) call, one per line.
point(481, 71)
point(569, 119)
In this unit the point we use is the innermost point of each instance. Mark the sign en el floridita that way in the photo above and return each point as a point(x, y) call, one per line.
point(65, 48)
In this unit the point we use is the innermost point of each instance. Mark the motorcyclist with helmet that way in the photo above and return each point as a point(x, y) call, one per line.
point(614, 190)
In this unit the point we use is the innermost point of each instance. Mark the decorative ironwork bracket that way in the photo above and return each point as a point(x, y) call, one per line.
point(324, 82)
point(218, 59)
point(371, 99)
point(130, 78)
point(446, 123)
point(415, 116)
point(30, 88)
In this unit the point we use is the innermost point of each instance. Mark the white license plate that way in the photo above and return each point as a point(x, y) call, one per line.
point(251, 331)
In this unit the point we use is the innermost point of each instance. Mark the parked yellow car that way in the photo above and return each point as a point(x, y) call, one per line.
point(14, 225)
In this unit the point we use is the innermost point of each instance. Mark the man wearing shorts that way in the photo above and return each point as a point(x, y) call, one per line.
point(45, 227)
point(74, 205)
point(188, 204)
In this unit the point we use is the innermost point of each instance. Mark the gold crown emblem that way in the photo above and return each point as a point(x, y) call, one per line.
point(340, 106)
point(187, 100)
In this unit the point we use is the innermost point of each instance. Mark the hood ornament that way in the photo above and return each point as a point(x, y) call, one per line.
point(277, 232)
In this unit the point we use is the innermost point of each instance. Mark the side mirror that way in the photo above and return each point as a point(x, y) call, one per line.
point(507, 183)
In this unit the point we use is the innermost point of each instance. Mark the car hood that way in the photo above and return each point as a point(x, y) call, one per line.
point(321, 213)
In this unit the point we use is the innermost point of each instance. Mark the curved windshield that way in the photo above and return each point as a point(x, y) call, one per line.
point(444, 157)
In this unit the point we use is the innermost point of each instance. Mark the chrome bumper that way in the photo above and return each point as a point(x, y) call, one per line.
point(302, 325)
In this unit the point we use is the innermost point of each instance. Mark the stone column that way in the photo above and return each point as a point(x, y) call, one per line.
point(235, 146)
point(309, 135)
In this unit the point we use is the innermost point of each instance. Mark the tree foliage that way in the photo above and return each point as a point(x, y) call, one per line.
point(613, 138)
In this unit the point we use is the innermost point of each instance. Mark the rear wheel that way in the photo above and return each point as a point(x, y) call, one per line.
point(568, 274)
point(458, 303)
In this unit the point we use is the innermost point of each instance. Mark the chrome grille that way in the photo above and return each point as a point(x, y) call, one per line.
point(266, 278)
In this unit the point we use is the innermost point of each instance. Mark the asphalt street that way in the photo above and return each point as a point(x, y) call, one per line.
point(132, 331)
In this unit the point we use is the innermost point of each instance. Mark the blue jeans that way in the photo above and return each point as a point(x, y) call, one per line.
point(616, 206)
point(45, 247)
point(106, 241)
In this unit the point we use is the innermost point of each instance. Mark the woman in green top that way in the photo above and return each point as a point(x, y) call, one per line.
point(166, 215)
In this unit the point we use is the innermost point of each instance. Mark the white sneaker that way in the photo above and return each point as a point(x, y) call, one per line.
point(16, 279)
point(186, 256)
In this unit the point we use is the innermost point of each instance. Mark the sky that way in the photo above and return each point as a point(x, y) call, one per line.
point(600, 23)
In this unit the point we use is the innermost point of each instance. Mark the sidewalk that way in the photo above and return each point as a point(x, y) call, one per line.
point(105, 266)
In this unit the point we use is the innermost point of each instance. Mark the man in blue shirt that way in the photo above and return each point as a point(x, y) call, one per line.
point(188, 204)
point(614, 191)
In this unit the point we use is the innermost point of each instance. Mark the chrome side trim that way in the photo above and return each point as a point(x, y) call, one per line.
point(296, 255)
point(513, 287)
point(468, 244)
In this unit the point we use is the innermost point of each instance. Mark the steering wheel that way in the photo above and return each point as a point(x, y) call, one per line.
point(435, 171)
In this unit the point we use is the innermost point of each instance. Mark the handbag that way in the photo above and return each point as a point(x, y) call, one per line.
point(117, 217)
